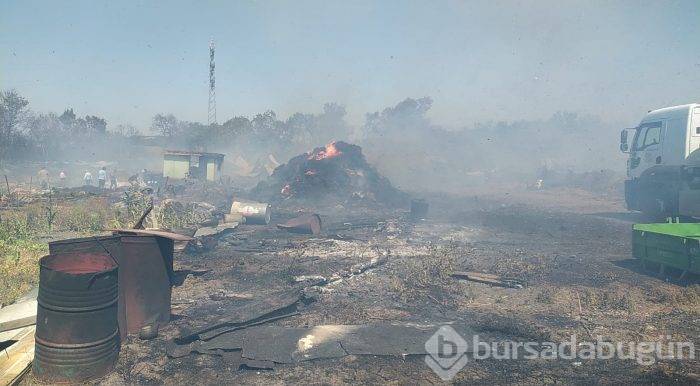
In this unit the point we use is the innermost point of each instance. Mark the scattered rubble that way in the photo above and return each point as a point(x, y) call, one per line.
point(305, 224)
point(323, 284)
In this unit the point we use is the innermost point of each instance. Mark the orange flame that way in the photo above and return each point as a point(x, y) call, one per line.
point(329, 152)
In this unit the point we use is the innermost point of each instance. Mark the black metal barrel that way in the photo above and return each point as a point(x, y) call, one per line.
point(77, 333)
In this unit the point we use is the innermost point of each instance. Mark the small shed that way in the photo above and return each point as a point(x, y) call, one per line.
point(181, 164)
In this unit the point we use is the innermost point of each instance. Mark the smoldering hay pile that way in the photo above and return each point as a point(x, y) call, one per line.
point(338, 171)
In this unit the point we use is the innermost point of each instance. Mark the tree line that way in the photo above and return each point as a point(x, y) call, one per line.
point(402, 134)
point(264, 132)
point(26, 134)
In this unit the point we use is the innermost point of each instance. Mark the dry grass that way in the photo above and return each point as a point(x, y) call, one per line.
point(523, 265)
point(689, 296)
point(677, 296)
point(547, 295)
point(416, 276)
point(87, 216)
point(90, 216)
point(605, 300)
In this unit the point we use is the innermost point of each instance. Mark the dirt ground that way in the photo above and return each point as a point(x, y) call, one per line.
point(571, 247)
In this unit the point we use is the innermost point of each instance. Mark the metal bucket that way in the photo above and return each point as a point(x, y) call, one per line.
point(77, 333)
point(254, 212)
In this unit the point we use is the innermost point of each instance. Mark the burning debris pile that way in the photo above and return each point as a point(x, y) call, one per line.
point(338, 170)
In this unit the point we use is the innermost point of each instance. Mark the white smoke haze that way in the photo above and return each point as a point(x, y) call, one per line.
point(400, 141)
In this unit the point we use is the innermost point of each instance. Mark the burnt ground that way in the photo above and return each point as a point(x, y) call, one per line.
point(571, 247)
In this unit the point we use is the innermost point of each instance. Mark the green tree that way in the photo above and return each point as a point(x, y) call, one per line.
point(408, 115)
point(166, 125)
point(236, 127)
point(96, 126)
point(67, 118)
point(126, 130)
point(13, 113)
point(46, 130)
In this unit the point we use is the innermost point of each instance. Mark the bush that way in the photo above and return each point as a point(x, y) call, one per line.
point(19, 255)
point(20, 250)
point(89, 216)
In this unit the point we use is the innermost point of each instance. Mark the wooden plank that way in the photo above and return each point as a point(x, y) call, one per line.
point(487, 278)
point(15, 360)
point(8, 335)
point(18, 315)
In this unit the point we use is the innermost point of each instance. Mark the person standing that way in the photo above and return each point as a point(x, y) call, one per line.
point(87, 178)
point(43, 177)
point(102, 177)
point(113, 180)
point(62, 178)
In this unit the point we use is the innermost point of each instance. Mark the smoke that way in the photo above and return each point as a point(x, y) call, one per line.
point(417, 155)
point(401, 141)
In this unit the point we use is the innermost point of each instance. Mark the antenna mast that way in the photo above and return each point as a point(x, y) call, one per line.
point(211, 119)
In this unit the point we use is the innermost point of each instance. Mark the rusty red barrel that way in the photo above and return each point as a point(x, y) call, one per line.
point(110, 245)
point(147, 266)
point(77, 333)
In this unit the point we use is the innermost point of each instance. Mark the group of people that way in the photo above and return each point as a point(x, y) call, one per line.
point(101, 179)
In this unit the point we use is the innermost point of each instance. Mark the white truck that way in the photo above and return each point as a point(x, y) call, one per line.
point(663, 167)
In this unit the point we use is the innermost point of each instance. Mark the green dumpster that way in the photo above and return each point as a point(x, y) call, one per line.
point(675, 245)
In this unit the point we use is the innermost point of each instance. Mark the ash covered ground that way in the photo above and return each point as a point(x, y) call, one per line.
point(571, 247)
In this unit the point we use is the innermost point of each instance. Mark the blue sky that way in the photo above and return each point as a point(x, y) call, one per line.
point(478, 60)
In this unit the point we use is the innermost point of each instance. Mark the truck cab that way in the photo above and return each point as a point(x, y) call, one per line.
point(663, 167)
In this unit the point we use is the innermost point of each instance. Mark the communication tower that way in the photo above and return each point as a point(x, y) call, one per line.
point(211, 119)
